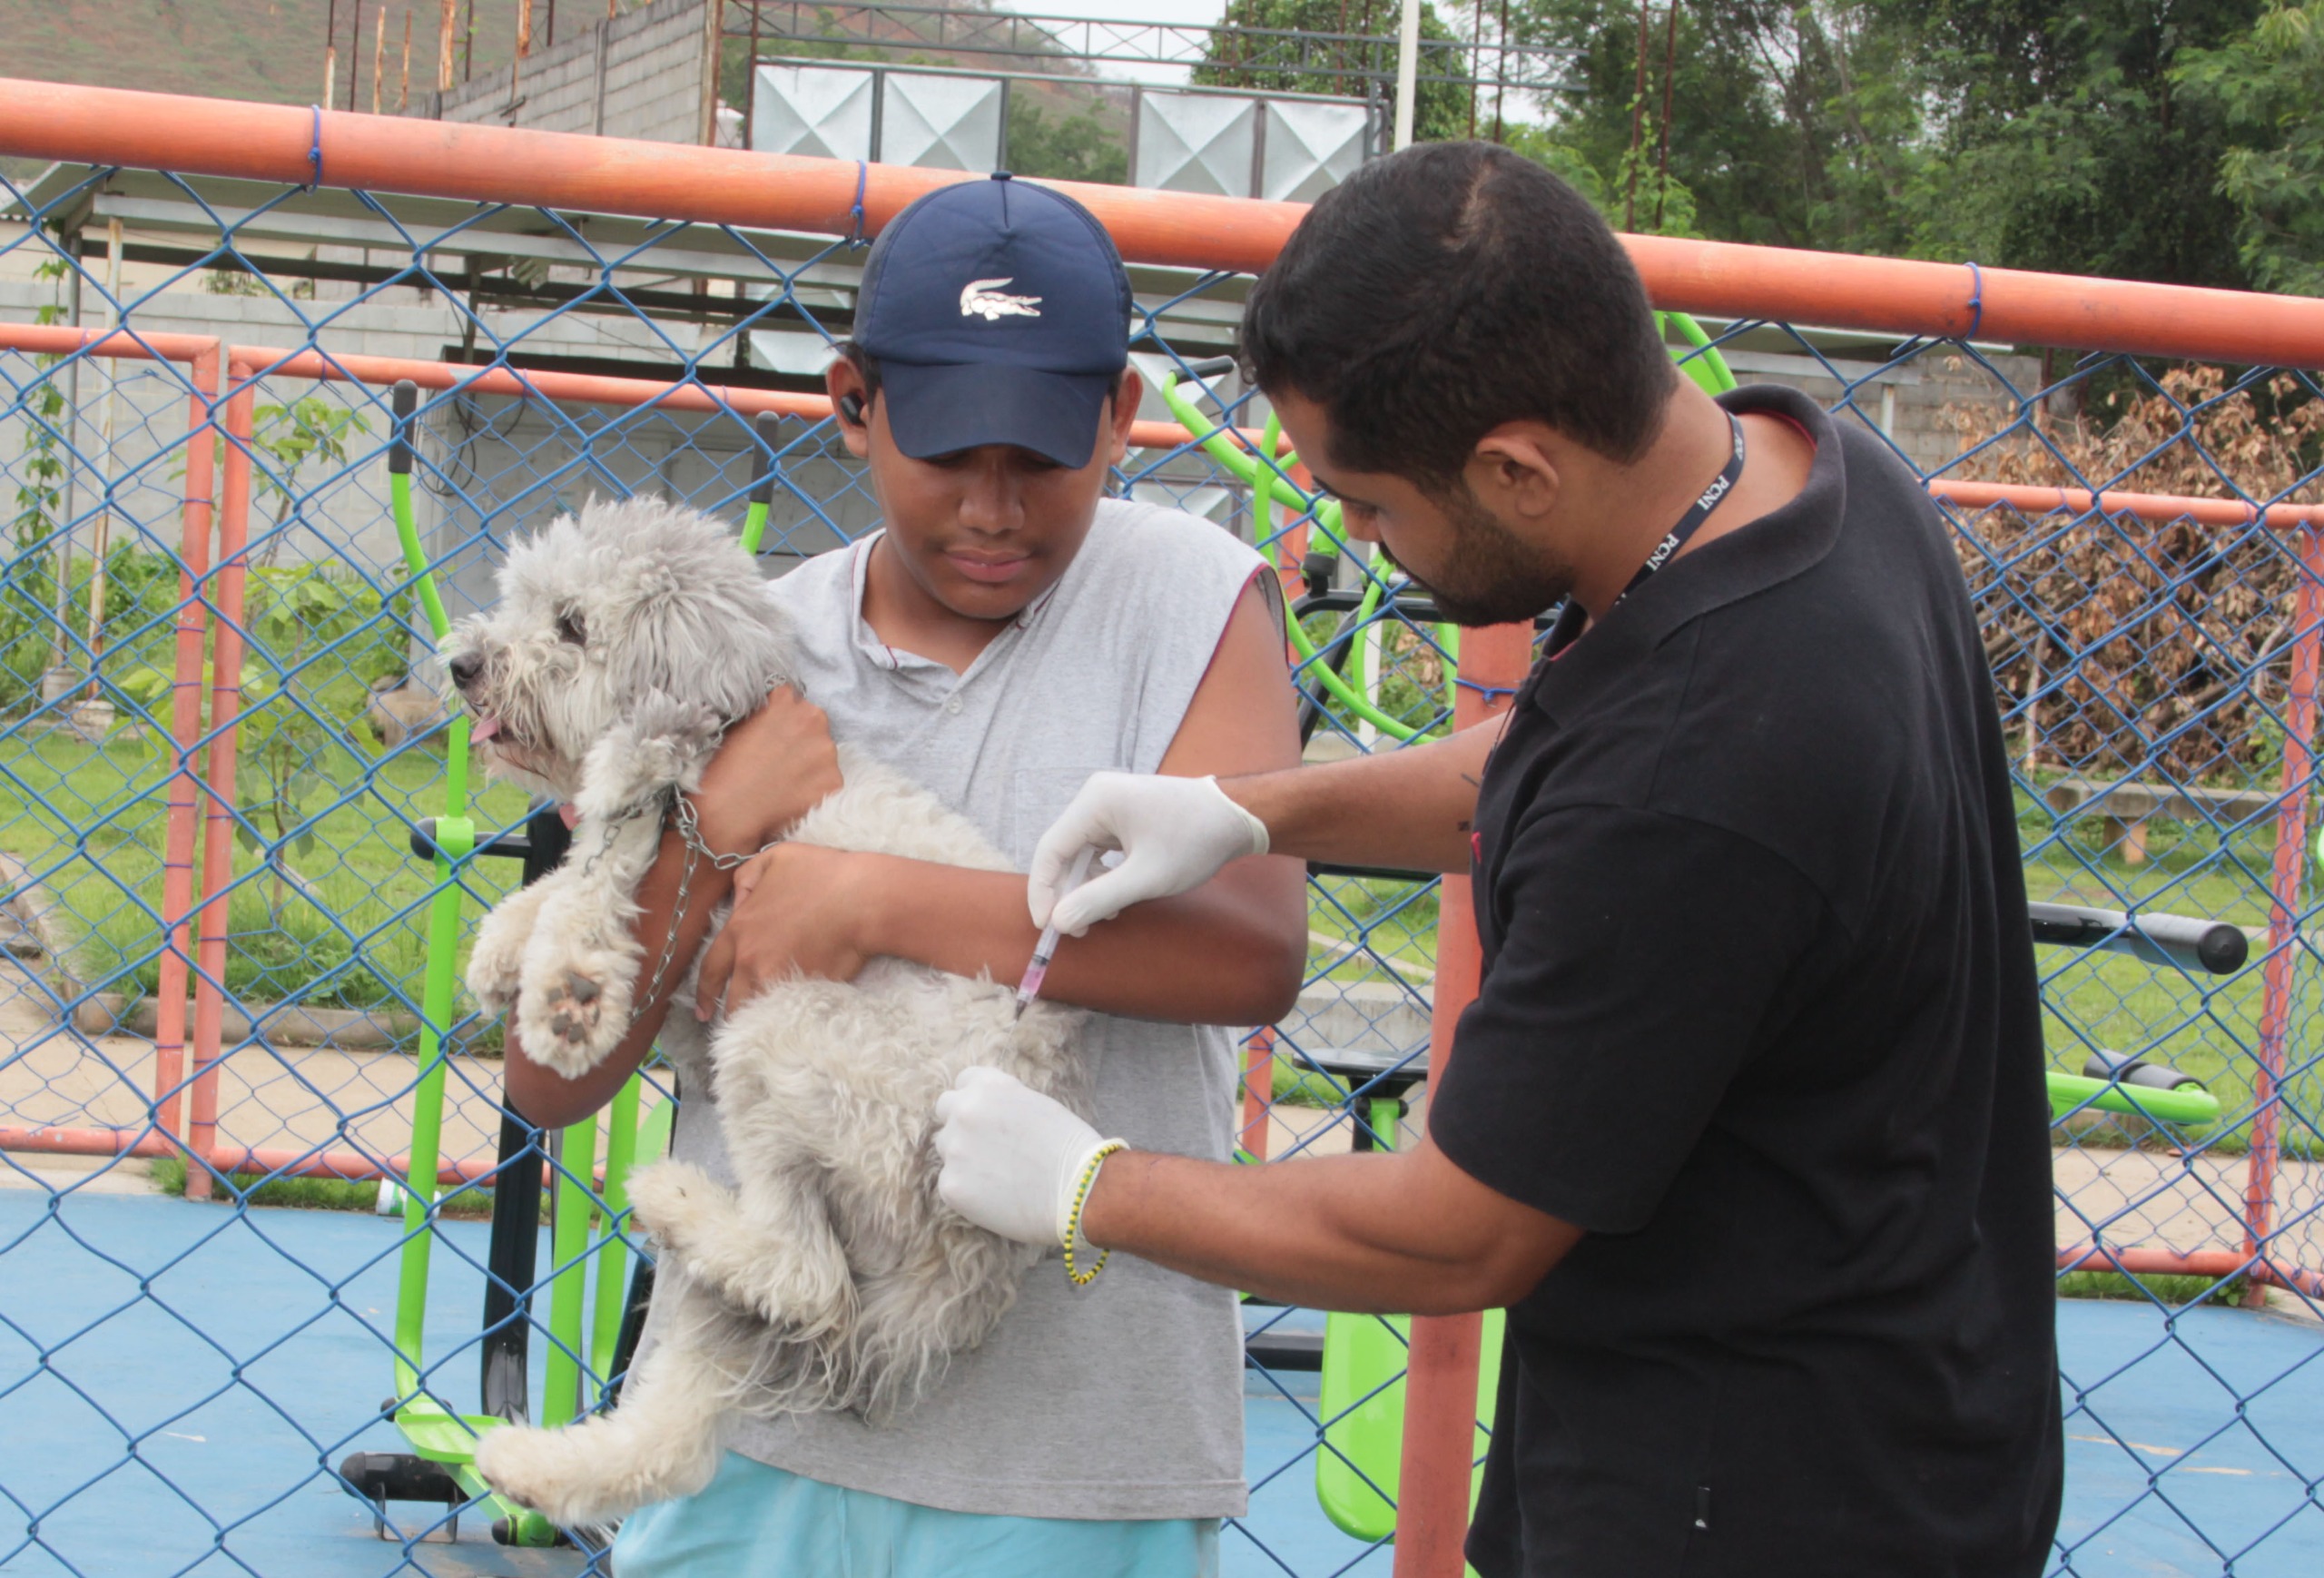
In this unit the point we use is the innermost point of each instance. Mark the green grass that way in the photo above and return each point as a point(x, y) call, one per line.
point(320, 1194)
point(2179, 1292)
point(2205, 1026)
point(90, 822)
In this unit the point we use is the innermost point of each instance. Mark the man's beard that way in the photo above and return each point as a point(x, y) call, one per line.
point(1490, 576)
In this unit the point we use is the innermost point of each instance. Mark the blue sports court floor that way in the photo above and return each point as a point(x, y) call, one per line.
point(260, 1352)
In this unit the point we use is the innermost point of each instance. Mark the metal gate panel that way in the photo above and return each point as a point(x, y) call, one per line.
point(1196, 142)
point(816, 110)
point(942, 123)
point(1311, 148)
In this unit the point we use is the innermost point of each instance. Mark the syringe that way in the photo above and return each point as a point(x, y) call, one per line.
point(1045, 948)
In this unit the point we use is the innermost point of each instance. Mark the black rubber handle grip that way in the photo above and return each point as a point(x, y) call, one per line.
point(766, 424)
point(2189, 941)
point(1211, 368)
point(405, 400)
point(512, 845)
point(2123, 1069)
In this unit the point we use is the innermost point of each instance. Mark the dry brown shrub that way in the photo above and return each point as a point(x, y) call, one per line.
point(2172, 637)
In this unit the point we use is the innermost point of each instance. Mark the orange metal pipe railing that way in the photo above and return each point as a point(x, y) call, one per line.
point(668, 181)
point(2161, 506)
point(2216, 1264)
point(275, 1161)
point(60, 340)
point(594, 389)
point(197, 136)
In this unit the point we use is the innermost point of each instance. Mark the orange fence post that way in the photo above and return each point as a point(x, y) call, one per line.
point(1440, 1366)
point(218, 825)
point(185, 731)
point(2288, 878)
point(1258, 1090)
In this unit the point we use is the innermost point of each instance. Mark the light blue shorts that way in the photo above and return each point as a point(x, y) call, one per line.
point(756, 1522)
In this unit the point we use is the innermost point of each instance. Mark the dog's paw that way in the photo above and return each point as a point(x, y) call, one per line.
point(668, 1201)
point(553, 1471)
point(570, 1015)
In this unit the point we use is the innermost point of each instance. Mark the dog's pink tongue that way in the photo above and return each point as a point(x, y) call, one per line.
point(483, 730)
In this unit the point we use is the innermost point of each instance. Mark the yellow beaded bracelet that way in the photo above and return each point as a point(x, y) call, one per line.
point(1073, 1218)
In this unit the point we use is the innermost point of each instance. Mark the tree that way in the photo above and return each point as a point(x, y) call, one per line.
point(1084, 145)
point(2061, 142)
point(1788, 124)
point(2263, 88)
point(1257, 63)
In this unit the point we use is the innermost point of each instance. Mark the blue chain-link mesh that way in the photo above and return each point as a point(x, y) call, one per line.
point(183, 1380)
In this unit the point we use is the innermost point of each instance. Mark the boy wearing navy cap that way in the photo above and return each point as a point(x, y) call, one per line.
point(1009, 631)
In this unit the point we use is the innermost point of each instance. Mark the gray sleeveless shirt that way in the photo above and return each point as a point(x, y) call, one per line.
point(1124, 1400)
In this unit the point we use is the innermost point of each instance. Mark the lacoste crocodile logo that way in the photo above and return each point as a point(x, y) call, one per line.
point(983, 299)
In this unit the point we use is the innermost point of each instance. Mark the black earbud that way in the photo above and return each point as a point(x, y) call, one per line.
point(851, 406)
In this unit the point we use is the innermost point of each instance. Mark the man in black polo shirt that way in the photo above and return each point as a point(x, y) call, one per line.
point(1746, 1124)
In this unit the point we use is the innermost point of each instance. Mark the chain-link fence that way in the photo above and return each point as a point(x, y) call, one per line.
point(225, 830)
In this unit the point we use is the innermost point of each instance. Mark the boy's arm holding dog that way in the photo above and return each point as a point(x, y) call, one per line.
point(1229, 952)
point(770, 771)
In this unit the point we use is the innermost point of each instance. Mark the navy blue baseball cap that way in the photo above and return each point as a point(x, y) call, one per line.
point(998, 312)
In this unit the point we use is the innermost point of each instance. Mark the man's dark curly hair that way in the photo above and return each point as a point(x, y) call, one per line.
point(1447, 289)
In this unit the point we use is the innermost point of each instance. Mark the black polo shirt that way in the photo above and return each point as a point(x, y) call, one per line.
point(1760, 1013)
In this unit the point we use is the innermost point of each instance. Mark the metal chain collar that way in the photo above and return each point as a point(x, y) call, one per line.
point(681, 814)
point(690, 829)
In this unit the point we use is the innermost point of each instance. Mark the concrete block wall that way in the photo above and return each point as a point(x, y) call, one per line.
point(1914, 403)
point(643, 74)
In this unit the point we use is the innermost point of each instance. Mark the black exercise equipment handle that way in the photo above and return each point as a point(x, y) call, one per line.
point(404, 400)
point(509, 843)
point(766, 425)
point(2189, 941)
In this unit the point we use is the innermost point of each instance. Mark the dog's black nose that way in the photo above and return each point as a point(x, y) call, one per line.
point(465, 669)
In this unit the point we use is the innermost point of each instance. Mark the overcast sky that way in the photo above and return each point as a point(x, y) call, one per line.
point(1125, 10)
point(1181, 11)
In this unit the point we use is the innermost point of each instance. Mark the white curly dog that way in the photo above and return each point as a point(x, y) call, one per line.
point(624, 642)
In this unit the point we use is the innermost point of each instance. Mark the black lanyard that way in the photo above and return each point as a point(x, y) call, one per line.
point(1697, 513)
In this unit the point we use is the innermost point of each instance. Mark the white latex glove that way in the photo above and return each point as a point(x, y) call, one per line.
point(1011, 1157)
point(1174, 833)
